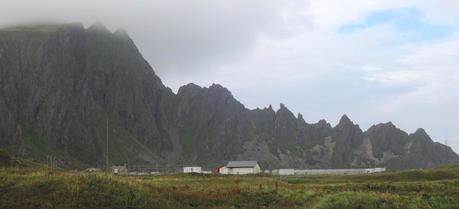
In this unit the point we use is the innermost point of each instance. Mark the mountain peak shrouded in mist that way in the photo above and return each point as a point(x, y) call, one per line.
point(94, 76)
point(98, 26)
point(121, 33)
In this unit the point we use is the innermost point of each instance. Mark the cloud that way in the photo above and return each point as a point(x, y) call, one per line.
point(332, 14)
point(433, 70)
point(440, 11)
point(175, 36)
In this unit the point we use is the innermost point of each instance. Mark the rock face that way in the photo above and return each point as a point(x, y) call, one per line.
point(66, 91)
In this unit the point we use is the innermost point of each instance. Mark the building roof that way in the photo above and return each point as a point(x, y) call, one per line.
point(241, 164)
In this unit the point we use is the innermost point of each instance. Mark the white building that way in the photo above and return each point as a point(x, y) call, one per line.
point(286, 172)
point(223, 170)
point(338, 171)
point(194, 169)
point(241, 168)
point(119, 170)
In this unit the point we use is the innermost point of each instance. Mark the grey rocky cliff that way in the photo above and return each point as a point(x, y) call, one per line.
point(63, 87)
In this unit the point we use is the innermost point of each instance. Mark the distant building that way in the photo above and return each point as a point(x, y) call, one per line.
point(376, 170)
point(241, 168)
point(119, 170)
point(194, 169)
point(338, 171)
point(223, 170)
point(284, 172)
point(93, 169)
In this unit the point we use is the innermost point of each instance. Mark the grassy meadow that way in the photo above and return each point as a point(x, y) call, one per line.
point(37, 187)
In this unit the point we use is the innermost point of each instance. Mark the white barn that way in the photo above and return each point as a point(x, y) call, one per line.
point(241, 168)
point(194, 169)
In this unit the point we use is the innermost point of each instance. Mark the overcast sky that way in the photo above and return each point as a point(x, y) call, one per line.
point(375, 60)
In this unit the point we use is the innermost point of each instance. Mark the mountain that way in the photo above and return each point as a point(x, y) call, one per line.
point(74, 92)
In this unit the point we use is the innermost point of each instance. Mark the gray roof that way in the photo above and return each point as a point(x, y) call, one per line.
point(241, 164)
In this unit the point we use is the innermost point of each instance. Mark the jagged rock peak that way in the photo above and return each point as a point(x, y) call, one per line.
point(219, 89)
point(285, 113)
point(301, 119)
point(323, 123)
point(284, 109)
point(189, 87)
point(215, 90)
point(388, 125)
point(420, 136)
point(300, 116)
point(421, 133)
point(282, 106)
point(270, 109)
point(345, 120)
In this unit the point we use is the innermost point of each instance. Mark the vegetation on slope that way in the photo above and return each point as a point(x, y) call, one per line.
point(43, 188)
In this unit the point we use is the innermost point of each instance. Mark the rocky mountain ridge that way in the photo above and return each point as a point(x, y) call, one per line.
point(67, 90)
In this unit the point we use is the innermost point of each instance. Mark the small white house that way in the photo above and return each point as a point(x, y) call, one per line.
point(119, 170)
point(241, 168)
point(192, 169)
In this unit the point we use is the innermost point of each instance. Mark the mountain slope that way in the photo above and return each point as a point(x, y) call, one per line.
point(66, 90)
point(61, 85)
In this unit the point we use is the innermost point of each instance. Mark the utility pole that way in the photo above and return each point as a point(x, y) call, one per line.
point(106, 153)
point(51, 162)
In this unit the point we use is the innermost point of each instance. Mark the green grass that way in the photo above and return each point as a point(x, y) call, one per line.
point(38, 187)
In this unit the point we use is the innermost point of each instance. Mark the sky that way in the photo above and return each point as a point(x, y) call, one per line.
point(374, 60)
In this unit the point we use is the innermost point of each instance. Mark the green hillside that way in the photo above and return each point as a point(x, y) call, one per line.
point(38, 187)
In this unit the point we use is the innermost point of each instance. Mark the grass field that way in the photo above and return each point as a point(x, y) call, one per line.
point(36, 187)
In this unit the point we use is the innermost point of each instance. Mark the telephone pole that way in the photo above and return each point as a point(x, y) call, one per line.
point(106, 153)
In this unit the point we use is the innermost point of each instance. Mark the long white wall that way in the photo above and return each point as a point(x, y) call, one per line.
point(284, 172)
point(338, 171)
